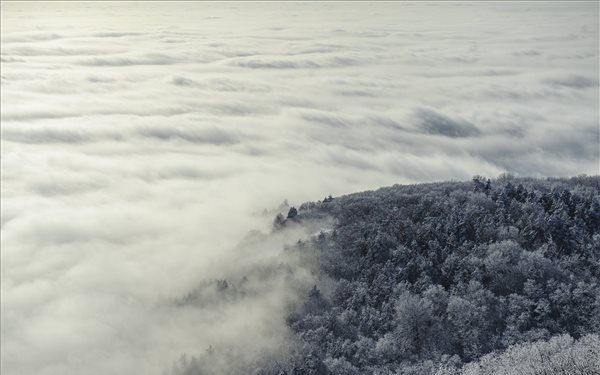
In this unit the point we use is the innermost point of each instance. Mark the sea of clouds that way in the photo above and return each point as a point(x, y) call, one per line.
point(141, 140)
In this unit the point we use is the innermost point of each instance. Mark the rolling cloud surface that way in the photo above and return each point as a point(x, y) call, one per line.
point(140, 140)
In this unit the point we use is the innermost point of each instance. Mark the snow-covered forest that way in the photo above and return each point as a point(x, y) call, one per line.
point(482, 277)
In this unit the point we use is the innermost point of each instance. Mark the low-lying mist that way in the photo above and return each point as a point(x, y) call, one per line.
point(141, 142)
point(124, 292)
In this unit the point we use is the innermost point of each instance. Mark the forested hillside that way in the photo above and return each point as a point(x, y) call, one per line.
point(478, 277)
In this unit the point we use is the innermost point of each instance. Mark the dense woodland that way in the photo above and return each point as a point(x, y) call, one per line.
point(481, 277)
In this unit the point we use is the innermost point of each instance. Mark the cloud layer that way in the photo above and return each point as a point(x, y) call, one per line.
point(139, 139)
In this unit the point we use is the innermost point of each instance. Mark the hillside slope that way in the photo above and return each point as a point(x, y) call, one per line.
point(423, 279)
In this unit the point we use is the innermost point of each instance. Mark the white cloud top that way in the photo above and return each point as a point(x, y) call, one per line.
point(139, 138)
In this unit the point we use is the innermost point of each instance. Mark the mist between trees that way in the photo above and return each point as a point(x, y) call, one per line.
point(481, 277)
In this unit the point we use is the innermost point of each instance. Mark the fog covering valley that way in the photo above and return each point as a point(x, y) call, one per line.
point(147, 148)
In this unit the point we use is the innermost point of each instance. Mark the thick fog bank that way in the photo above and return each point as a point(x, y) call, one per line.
point(141, 142)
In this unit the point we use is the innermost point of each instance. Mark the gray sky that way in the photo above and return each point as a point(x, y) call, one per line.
point(140, 139)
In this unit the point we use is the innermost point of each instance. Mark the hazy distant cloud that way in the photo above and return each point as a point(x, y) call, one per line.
point(573, 81)
point(275, 64)
point(36, 51)
point(28, 36)
point(148, 59)
point(208, 135)
point(335, 121)
point(527, 52)
point(223, 84)
point(434, 123)
point(110, 34)
point(294, 62)
point(182, 81)
point(46, 135)
point(138, 140)
point(385, 122)
point(356, 93)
